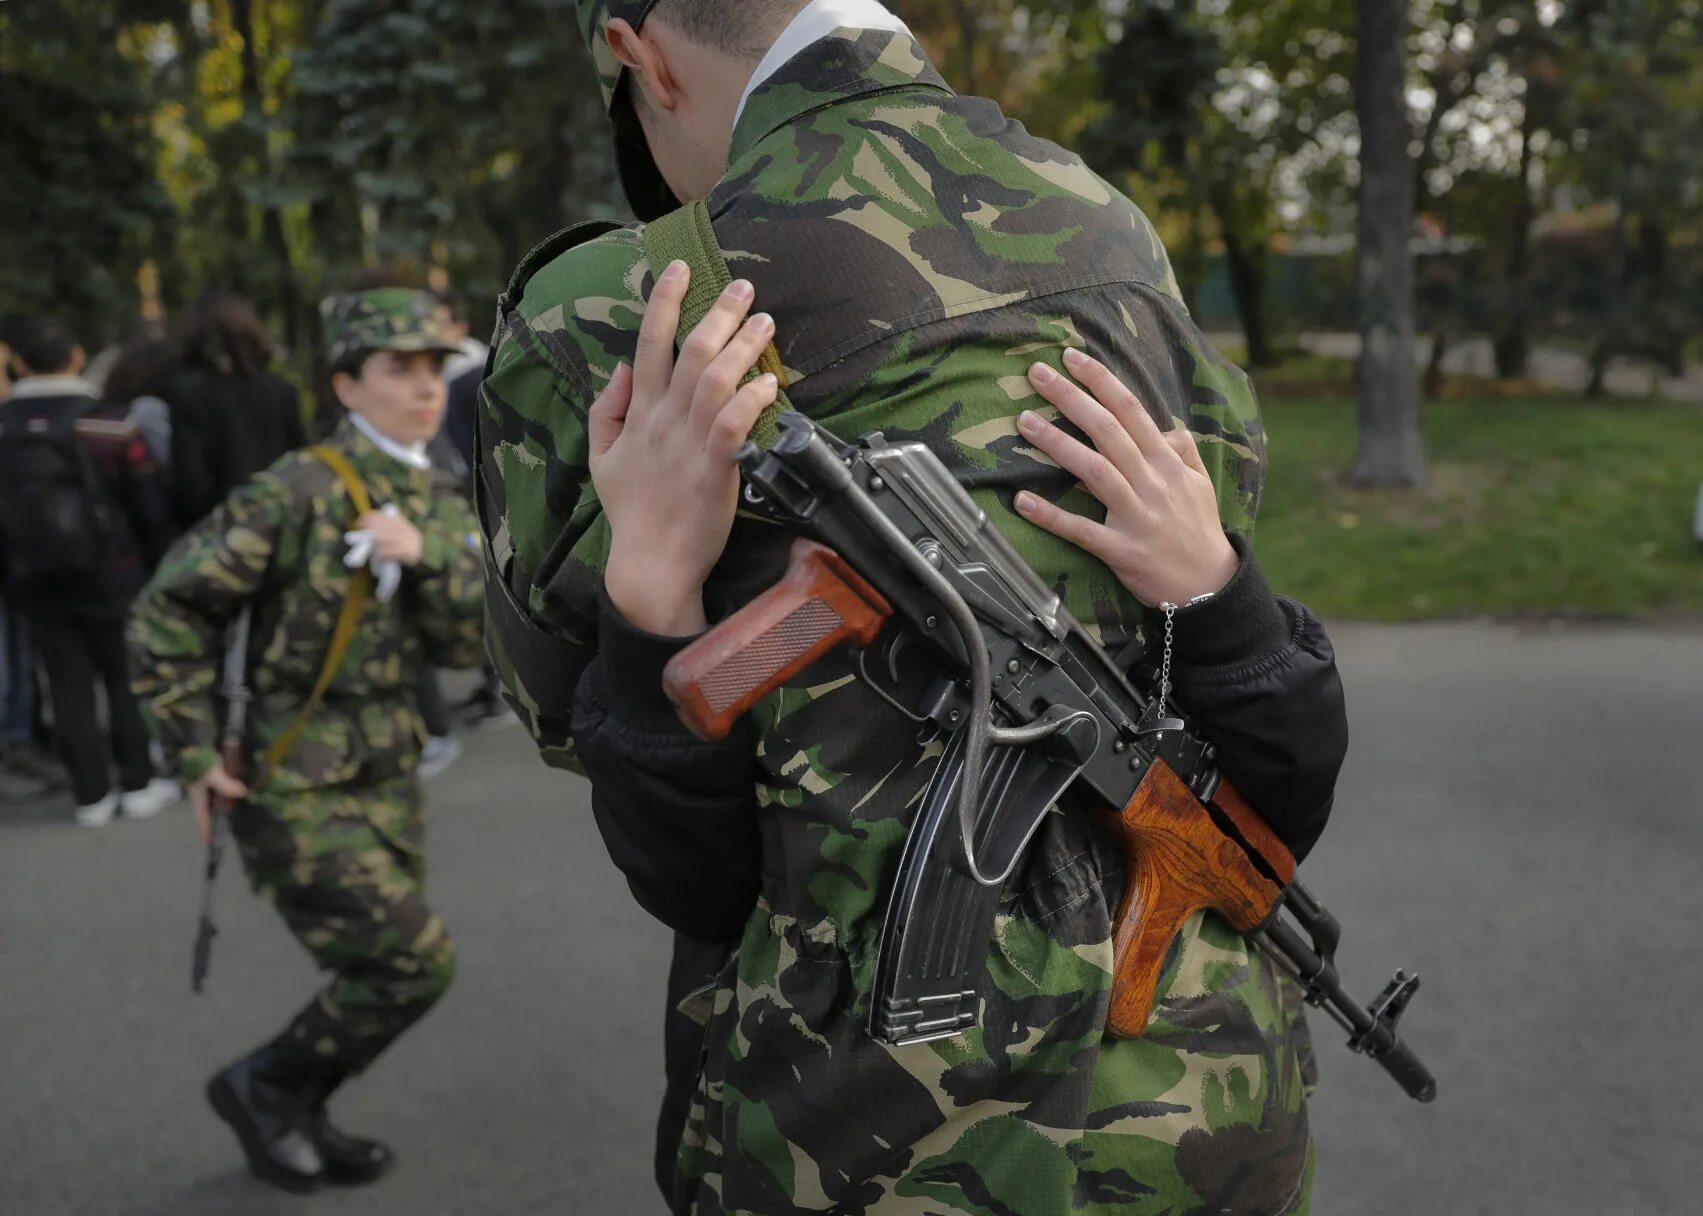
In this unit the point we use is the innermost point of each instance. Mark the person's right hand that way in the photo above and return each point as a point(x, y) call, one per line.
point(215, 781)
point(663, 437)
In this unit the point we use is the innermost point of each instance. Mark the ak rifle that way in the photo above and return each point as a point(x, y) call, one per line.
point(955, 630)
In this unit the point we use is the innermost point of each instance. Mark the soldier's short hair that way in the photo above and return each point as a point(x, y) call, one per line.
point(741, 28)
point(44, 345)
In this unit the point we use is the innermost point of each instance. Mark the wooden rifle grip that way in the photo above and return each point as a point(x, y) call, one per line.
point(1177, 863)
point(820, 604)
point(1255, 832)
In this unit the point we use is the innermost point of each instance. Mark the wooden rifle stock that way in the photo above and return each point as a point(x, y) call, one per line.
point(820, 604)
point(1178, 862)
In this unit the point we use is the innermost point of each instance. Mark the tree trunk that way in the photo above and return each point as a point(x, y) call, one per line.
point(1246, 265)
point(1513, 342)
point(1391, 451)
point(283, 274)
point(967, 31)
point(1433, 387)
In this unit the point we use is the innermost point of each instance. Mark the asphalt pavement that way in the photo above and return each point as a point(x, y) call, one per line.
point(1519, 821)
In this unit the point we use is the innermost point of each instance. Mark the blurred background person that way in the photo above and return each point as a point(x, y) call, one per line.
point(19, 780)
point(83, 518)
point(452, 450)
point(231, 415)
point(137, 379)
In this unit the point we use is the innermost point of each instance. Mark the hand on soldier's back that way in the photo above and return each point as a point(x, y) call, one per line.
point(663, 436)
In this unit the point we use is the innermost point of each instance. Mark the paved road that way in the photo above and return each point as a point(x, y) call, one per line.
point(1518, 821)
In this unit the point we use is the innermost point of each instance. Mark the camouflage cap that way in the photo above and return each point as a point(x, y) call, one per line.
point(647, 193)
point(387, 318)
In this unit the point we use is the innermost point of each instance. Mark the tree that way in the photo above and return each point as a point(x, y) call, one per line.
point(80, 199)
point(1217, 100)
point(1391, 451)
point(1636, 114)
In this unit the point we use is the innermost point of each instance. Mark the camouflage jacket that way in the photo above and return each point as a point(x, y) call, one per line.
point(278, 542)
point(918, 250)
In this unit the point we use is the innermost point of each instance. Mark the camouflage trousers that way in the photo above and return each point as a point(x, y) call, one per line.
point(353, 896)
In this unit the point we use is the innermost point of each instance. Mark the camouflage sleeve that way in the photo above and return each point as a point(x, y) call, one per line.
point(176, 628)
point(449, 585)
point(577, 320)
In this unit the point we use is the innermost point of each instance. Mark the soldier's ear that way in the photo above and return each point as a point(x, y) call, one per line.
point(79, 359)
point(347, 389)
point(646, 59)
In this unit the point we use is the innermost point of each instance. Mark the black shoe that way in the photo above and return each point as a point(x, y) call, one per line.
point(268, 1108)
point(349, 1160)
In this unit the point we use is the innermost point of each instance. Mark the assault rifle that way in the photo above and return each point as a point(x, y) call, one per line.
point(236, 698)
point(956, 631)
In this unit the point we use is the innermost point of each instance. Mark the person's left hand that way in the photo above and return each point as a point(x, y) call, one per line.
point(1162, 536)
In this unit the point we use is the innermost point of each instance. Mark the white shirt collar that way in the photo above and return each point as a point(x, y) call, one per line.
point(817, 21)
point(412, 455)
point(53, 386)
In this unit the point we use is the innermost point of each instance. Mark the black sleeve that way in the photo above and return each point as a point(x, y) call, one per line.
point(192, 458)
point(678, 815)
point(1257, 676)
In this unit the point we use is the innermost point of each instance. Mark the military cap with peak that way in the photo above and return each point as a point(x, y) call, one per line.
point(386, 318)
point(647, 193)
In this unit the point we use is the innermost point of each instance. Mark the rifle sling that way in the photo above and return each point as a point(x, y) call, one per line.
point(688, 236)
point(360, 590)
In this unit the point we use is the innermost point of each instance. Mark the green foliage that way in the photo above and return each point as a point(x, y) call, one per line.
point(80, 195)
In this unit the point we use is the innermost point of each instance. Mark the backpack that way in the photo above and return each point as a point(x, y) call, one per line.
point(56, 518)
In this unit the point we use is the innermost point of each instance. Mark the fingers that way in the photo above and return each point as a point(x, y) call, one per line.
point(722, 377)
point(1182, 442)
point(705, 343)
point(1112, 393)
point(609, 412)
point(653, 365)
point(1103, 479)
point(1067, 525)
point(732, 425)
point(1102, 427)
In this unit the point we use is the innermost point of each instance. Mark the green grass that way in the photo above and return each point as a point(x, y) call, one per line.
point(1536, 507)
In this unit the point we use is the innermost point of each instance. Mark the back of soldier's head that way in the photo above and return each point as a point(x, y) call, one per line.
point(45, 346)
point(740, 29)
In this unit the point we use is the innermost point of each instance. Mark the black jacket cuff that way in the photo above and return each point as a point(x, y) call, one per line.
point(1243, 621)
point(633, 661)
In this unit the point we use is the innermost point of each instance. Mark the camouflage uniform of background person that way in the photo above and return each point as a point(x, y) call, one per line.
point(918, 251)
point(334, 837)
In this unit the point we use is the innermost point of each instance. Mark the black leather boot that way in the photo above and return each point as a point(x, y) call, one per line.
point(349, 1160)
point(265, 1099)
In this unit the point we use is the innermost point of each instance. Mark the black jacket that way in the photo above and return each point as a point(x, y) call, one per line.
point(224, 430)
point(1254, 672)
point(127, 475)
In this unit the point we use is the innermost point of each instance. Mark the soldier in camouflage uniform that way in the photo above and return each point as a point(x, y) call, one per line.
point(918, 251)
point(333, 835)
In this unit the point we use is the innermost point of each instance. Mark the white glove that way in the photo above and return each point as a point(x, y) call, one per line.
point(387, 573)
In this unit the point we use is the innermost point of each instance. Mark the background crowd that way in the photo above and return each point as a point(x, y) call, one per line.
point(106, 457)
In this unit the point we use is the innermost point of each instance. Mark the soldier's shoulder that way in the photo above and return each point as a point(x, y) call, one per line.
point(296, 478)
point(601, 259)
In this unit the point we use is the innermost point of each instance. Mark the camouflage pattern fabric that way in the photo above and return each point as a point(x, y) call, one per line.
point(918, 251)
point(358, 908)
point(387, 318)
point(335, 836)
